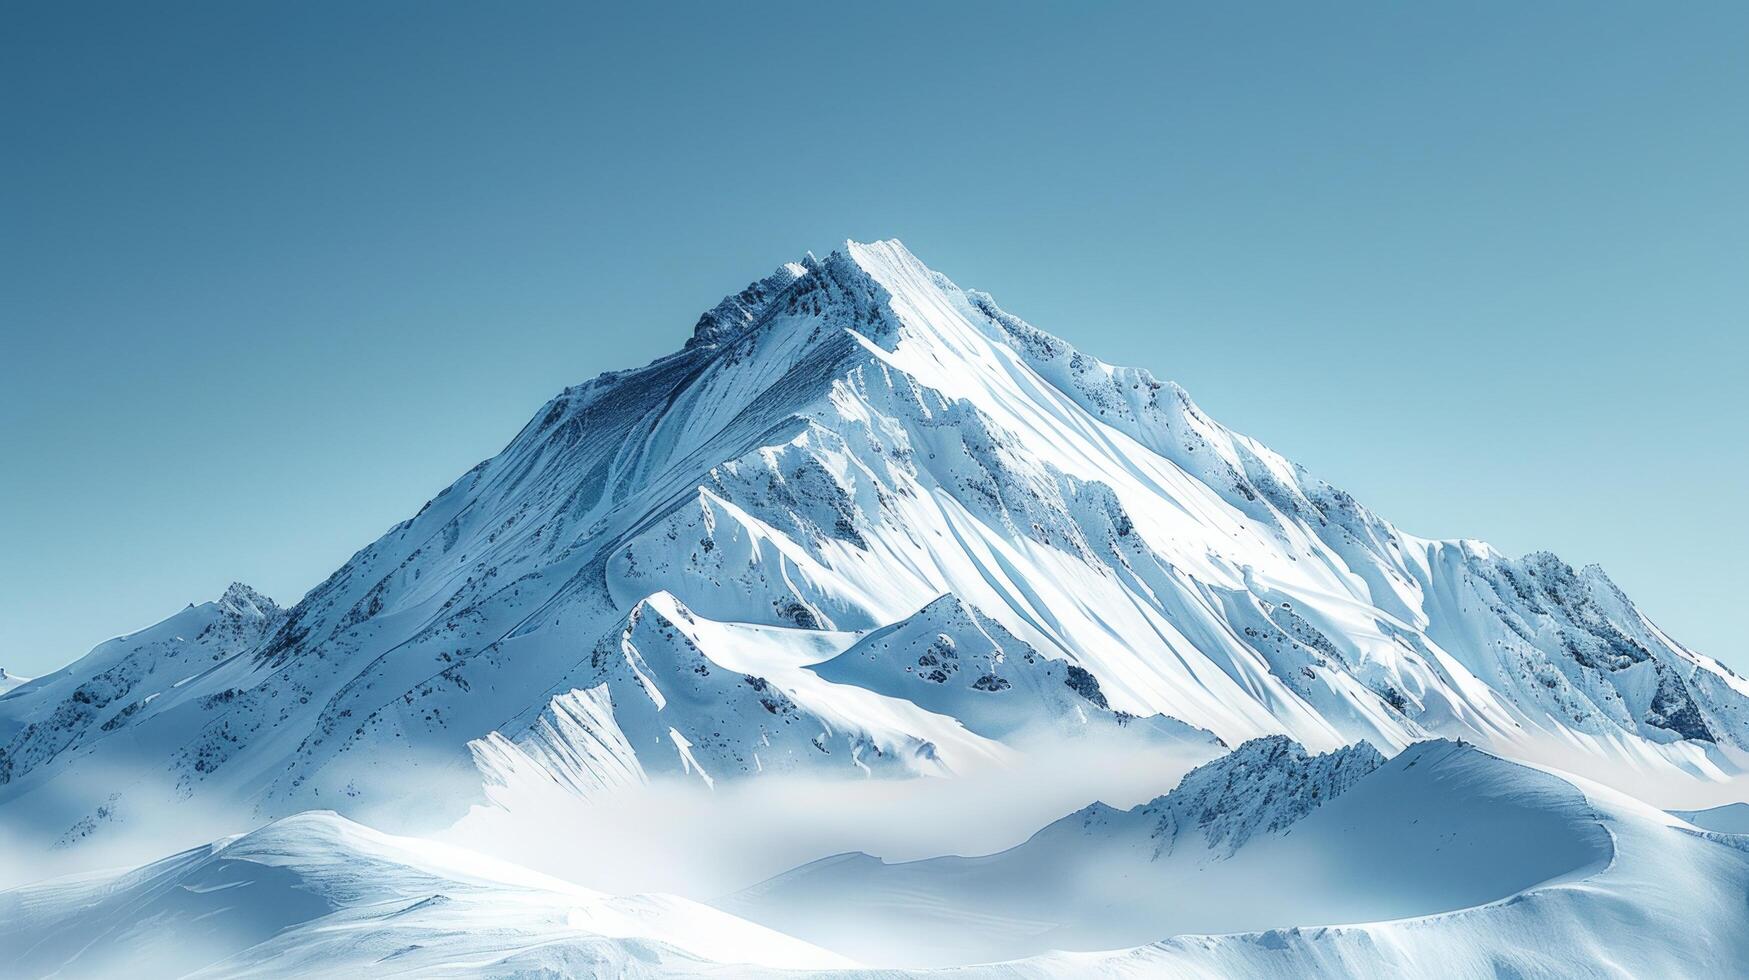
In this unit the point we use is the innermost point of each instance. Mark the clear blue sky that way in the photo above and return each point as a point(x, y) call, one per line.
point(273, 276)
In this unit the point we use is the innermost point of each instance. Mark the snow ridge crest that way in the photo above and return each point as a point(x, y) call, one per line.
point(1261, 787)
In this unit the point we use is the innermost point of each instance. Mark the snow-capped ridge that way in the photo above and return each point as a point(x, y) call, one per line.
point(241, 600)
point(121, 681)
point(1262, 787)
point(735, 313)
point(575, 745)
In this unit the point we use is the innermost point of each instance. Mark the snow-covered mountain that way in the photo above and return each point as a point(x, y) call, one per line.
point(867, 526)
point(865, 521)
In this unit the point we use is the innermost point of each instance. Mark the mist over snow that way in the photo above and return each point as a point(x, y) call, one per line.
point(676, 835)
point(879, 628)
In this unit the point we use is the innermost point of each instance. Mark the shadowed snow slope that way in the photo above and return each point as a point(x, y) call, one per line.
point(315, 894)
point(1732, 818)
point(1668, 904)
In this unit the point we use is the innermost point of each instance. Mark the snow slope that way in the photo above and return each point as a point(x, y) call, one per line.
point(954, 660)
point(841, 445)
point(317, 895)
point(10, 681)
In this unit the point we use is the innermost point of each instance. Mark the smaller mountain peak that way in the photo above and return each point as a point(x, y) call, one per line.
point(1596, 576)
point(950, 612)
point(1548, 561)
point(737, 312)
point(662, 604)
point(242, 600)
point(948, 605)
point(1434, 747)
point(1261, 787)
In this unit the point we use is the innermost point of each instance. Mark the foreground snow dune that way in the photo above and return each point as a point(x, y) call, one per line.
point(316, 893)
point(868, 526)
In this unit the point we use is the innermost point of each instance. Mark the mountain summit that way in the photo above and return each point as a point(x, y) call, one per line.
point(838, 448)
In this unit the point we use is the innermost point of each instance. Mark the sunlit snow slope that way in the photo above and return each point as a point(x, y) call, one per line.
point(851, 451)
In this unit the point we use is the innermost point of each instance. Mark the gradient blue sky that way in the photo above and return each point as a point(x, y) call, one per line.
point(272, 276)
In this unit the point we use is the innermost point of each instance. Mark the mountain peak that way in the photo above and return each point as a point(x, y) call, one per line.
point(242, 600)
point(884, 253)
point(1261, 787)
point(855, 267)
